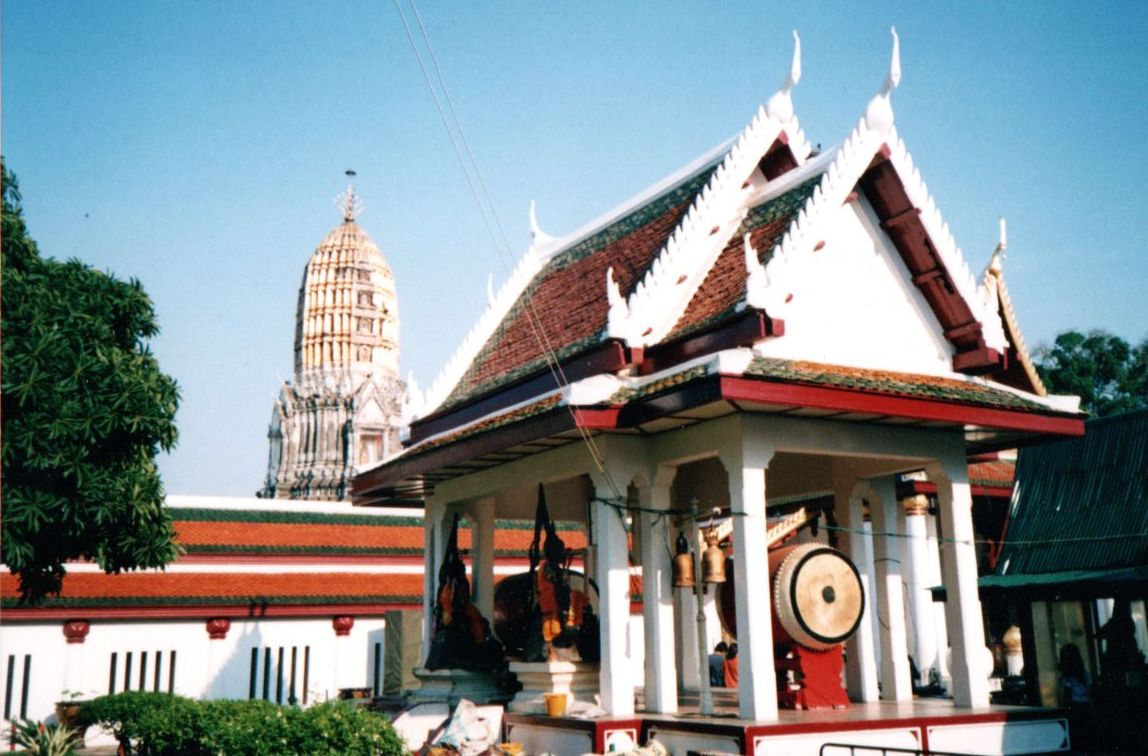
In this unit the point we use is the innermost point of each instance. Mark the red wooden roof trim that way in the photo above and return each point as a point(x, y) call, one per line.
point(745, 329)
point(736, 388)
point(417, 463)
point(901, 221)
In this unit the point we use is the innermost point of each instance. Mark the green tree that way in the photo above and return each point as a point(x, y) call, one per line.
point(86, 410)
point(1107, 374)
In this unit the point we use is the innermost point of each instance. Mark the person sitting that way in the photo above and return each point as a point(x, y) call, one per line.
point(729, 667)
point(1075, 684)
point(716, 660)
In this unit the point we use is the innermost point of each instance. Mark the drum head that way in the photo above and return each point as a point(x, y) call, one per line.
point(818, 595)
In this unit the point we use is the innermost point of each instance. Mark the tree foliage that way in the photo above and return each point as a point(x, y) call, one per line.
point(1108, 374)
point(86, 410)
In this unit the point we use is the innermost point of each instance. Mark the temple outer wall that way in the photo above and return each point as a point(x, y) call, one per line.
point(205, 668)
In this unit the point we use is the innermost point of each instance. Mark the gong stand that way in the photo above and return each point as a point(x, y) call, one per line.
point(705, 694)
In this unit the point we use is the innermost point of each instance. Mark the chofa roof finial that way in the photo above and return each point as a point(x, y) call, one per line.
point(995, 266)
point(780, 105)
point(537, 234)
point(879, 113)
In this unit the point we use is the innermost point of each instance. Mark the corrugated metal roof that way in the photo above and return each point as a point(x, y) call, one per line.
point(1082, 504)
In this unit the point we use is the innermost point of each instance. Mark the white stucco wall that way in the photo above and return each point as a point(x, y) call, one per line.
point(854, 304)
point(204, 668)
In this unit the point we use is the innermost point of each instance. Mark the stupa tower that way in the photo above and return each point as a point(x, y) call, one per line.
point(342, 409)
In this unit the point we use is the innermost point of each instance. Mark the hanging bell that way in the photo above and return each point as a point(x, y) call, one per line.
point(713, 561)
point(683, 567)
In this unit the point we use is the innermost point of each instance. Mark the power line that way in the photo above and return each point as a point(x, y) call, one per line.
point(481, 195)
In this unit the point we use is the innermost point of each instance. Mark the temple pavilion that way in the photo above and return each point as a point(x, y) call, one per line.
point(768, 323)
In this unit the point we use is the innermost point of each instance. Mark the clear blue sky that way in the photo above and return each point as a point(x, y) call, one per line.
point(198, 147)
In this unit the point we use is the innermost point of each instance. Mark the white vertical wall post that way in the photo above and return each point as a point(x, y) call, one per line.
point(959, 567)
point(757, 685)
point(217, 653)
point(861, 654)
point(657, 595)
point(612, 572)
point(896, 684)
point(75, 632)
point(342, 625)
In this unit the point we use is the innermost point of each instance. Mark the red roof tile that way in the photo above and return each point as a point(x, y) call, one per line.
point(569, 295)
point(724, 286)
point(995, 474)
point(168, 588)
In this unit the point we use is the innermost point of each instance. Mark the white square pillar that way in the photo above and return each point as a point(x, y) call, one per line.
point(896, 684)
point(612, 572)
point(657, 598)
point(970, 672)
point(861, 652)
point(434, 542)
point(482, 557)
point(757, 681)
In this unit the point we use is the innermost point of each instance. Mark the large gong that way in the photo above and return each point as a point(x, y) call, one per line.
point(816, 592)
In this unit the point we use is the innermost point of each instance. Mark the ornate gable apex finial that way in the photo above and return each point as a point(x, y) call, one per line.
point(879, 113)
point(780, 105)
point(995, 266)
point(538, 237)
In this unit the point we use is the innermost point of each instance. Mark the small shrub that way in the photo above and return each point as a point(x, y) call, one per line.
point(340, 728)
point(145, 723)
point(42, 739)
point(154, 724)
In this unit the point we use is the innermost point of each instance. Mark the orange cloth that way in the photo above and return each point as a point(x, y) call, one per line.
point(729, 671)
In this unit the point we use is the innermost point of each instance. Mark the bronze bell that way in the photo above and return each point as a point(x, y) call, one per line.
point(713, 561)
point(683, 567)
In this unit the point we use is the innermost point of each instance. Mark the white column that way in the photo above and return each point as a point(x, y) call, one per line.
point(895, 682)
point(616, 687)
point(757, 683)
point(657, 597)
point(861, 653)
point(959, 568)
point(939, 622)
point(482, 557)
point(919, 581)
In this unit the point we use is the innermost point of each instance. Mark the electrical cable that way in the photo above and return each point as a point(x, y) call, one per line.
point(481, 195)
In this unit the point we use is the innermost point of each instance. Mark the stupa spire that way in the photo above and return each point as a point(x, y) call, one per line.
point(348, 201)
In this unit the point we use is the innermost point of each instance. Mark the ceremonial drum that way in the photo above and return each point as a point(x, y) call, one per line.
point(816, 595)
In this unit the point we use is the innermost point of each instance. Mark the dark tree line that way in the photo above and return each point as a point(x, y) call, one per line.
point(1108, 374)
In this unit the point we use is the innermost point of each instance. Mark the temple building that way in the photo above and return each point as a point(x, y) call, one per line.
point(768, 327)
point(342, 409)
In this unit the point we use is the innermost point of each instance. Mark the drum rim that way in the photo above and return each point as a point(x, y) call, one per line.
point(802, 559)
